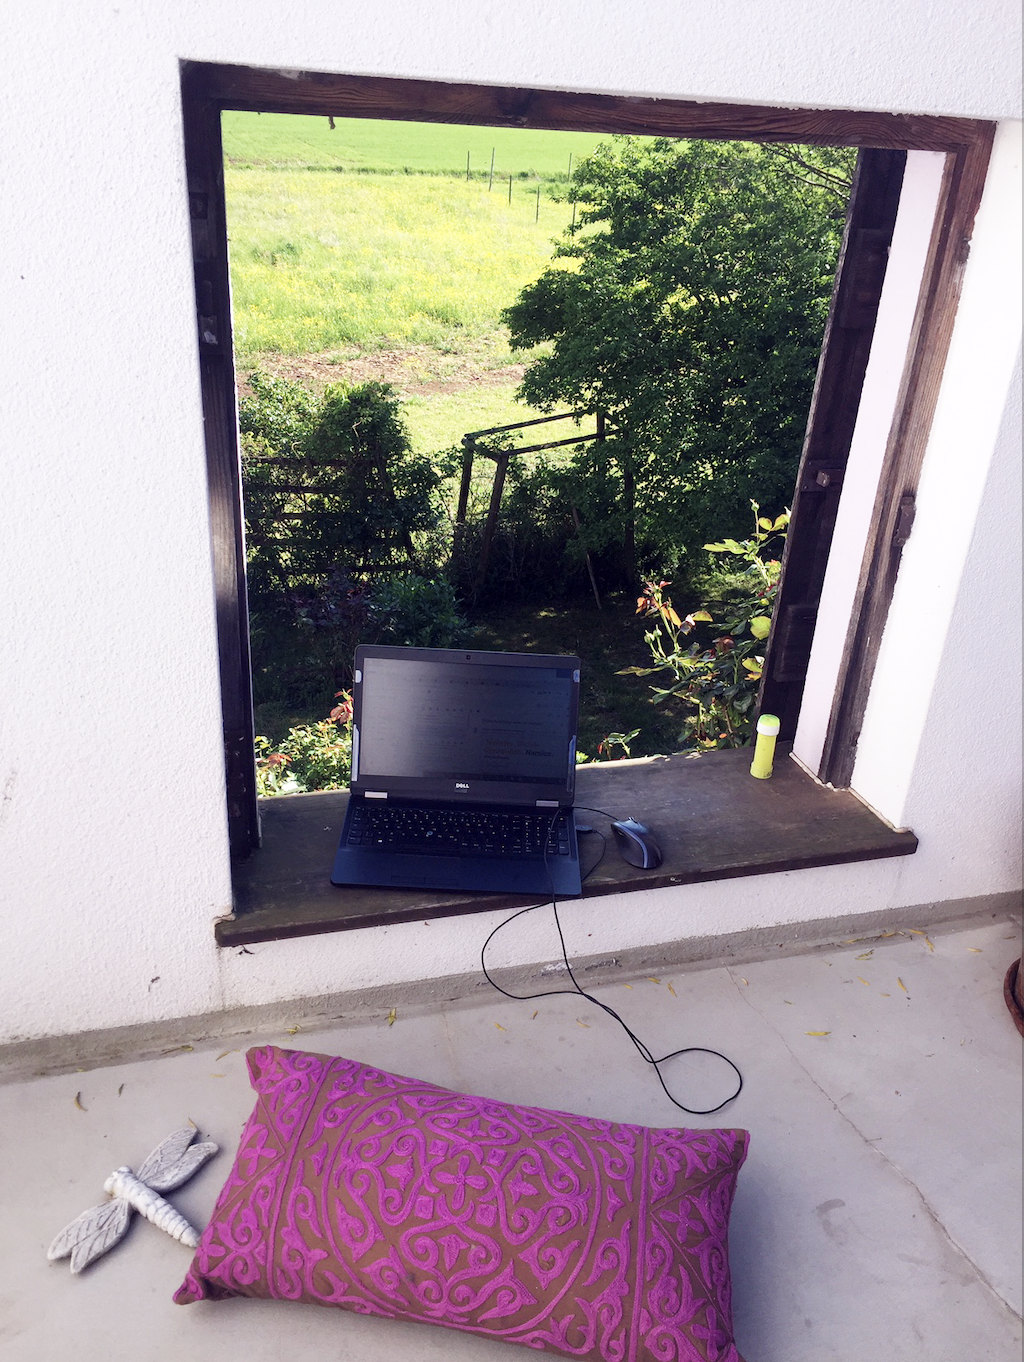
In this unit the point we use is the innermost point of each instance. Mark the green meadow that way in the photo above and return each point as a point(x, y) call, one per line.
point(322, 261)
point(367, 237)
point(387, 147)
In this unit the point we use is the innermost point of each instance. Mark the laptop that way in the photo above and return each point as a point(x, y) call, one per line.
point(463, 772)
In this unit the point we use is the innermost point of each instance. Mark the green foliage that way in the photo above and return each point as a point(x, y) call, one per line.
point(339, 515)
point(606, 747)
point(416, 612)
point(329, 482)
point(688, 303)
point(311, 757)
point(717, 679)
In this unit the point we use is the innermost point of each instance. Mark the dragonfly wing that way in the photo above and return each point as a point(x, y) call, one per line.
point(165, 1158)
point(91, 1233)
point(190, 1161)
point(175, 1160)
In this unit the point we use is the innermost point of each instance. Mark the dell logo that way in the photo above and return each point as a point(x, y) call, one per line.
point(461, 785)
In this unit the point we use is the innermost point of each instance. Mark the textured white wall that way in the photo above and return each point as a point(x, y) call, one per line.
point(113, 860)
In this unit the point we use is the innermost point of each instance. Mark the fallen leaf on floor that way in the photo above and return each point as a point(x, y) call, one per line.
point(531, 1019)
point(866, 956)
point(216, 1075)
point(886, 995)
point(902, 985)
point(499, 1026)
point(672, 991)
point(177, 1049)
point(976, 949)
point(787, 1002)
point(392, 1017)
point(817, 1033)
point(863, 980)
point(224, 1054)
point(651, 979)
point(744, 981)
point(585, 1025)
point(120, 1090)
point(884, 934)
point(292, 1030)
point(627, 985)
point(78, 1102)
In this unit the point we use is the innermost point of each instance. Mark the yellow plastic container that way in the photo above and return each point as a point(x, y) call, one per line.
point(764, 748)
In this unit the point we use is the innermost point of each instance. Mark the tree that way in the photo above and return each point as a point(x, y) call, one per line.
point(688, 302)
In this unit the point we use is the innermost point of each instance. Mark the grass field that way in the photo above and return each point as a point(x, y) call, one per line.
point(320, 261)
point(345, 266)
point(389, 147)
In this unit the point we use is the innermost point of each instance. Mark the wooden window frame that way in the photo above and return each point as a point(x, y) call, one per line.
point(208, 89)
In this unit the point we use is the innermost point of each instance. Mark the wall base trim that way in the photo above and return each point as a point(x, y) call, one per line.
point(84, 1050)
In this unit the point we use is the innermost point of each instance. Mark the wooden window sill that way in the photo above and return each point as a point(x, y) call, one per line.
point(712, 819)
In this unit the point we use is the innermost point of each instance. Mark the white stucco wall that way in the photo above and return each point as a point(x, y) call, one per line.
point(113, 857)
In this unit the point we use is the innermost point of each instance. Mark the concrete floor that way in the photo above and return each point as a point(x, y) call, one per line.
point(878, 1217)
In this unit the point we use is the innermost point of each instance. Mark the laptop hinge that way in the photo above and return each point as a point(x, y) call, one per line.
point(375, 794)
point(547, 804)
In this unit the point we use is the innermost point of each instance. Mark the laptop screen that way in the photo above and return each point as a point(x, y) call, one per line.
point(455, 724)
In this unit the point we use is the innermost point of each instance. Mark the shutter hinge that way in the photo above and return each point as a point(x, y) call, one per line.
point(904, 520)
point(819, 476)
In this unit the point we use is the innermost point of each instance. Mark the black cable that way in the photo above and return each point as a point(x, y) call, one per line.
point(576, 990)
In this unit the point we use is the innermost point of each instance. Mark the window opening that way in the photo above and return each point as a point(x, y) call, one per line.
point(208, 90)
point(688, 292)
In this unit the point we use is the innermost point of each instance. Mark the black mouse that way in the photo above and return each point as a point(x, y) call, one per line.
point(636, 843)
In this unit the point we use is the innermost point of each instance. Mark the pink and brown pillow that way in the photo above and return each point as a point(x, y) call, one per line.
point(388, 1196)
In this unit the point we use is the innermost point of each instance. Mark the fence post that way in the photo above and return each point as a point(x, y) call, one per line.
point(467, 476)
point(467, 165)
point(536, 216)
point(510, 189)
point(590, 561)
point(501, 459)
point(490, 179)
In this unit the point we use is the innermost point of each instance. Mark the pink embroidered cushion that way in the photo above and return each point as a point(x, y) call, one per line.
point(388, 1196)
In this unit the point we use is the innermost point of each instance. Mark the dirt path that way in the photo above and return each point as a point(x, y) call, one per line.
point(416, 369)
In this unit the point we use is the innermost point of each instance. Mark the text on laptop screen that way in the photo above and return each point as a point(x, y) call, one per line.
point(430, 719)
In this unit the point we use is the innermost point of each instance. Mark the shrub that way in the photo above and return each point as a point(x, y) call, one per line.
point(311, 757)
point(341, 516)
point(330, 484)
point(717, 679)
point(417, 611)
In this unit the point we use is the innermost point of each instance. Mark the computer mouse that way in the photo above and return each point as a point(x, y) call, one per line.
point(636, 843)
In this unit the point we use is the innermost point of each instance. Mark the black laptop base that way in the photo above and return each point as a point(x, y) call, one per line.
point(465, 869)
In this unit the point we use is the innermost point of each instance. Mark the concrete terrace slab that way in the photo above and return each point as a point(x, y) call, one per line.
point(878, 1215)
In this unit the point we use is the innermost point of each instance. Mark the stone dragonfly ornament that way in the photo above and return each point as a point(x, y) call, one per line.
point(95, 1231)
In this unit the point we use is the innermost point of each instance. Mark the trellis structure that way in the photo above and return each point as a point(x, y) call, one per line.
point(471, 448)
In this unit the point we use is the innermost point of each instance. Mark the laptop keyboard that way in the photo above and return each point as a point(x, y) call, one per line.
point(447, 830)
